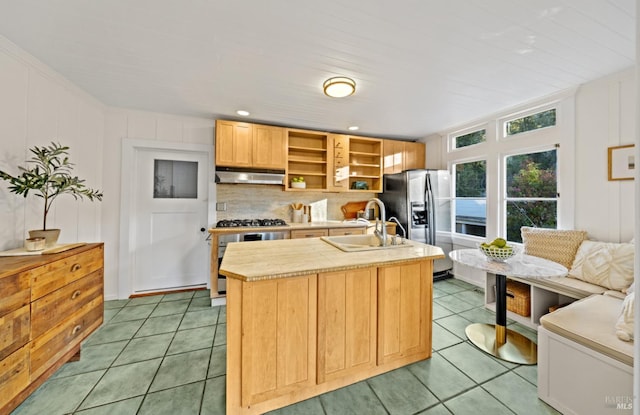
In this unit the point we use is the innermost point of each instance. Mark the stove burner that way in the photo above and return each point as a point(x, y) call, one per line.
point(234, 223)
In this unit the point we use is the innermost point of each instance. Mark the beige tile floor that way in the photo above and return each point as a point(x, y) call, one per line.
point(166, 354)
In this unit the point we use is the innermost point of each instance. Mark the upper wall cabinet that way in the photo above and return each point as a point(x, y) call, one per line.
point(241, 144)
point(269, 147)
point(403, 155)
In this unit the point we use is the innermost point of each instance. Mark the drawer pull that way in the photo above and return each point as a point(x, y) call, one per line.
point(75, 267)
point(76, 329)
point(76, 294)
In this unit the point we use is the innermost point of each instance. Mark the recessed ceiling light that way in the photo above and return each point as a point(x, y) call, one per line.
point(354, 128)
point(243, 113)
point(339, 87)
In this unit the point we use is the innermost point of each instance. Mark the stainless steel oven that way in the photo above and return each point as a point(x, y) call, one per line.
point(243, 236)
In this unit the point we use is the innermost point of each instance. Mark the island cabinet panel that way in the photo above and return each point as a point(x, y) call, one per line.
point(404, 311)
point(279, 337)
point(347, 315)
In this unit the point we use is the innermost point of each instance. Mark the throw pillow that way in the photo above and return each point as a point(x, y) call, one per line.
point(606, 264)
point(624, 325)
point(556, 245)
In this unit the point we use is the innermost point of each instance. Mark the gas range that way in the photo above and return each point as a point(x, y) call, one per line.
point(237, 223)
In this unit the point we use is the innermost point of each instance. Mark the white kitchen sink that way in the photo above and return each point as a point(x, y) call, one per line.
point(368, 242)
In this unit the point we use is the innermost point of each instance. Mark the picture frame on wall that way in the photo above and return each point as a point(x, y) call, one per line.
point(622, 162)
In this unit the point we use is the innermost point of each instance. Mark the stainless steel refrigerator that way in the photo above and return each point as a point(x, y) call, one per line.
point(421, 201)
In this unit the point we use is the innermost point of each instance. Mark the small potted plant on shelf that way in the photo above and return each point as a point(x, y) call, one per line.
point(49, 176)
point(298, 182)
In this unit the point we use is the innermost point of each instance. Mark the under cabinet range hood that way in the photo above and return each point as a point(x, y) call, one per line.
point(239, 175)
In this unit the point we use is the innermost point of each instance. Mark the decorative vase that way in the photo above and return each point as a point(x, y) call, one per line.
point(50, 236)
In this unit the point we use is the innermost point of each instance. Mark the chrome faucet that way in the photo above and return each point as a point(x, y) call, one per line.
point(404, 232)
point(381, 233)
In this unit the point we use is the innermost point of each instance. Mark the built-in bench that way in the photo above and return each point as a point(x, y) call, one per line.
point(583, 368)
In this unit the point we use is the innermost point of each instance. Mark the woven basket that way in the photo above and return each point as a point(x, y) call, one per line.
point(518, 298)
point(497, 254)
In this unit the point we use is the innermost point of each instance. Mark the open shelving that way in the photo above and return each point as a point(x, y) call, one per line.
point(307, 157)
point(365, 163)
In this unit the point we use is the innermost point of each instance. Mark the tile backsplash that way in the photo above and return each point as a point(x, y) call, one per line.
point(246, 201)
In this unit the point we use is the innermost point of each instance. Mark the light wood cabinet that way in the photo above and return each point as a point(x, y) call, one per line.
point(346, 323)
point(414, 155)
point(404, 311)
point(346, 231)
point(49, 304)
point(307, 156)
point(241, 144)
point(403, 155)
point(297, 337)
point(309, 233)
point(234, 144)
point(279, 328)
point(365, 164)
point(269, 147)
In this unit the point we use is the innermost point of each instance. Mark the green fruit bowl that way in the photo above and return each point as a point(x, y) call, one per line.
point(494, 253)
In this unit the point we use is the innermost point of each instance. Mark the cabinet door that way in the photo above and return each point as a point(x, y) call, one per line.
point(393, 156)
point(269, 147)
point(346, 323)
point(233, 144)
point(414, 156)
point(278, 337)
point(404, 311)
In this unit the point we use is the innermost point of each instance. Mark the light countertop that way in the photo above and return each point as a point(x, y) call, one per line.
point(260, 260)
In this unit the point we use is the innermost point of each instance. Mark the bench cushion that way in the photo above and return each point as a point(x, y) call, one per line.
point(591, 323)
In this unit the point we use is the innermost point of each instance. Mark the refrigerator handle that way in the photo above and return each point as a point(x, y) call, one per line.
point(430, 212)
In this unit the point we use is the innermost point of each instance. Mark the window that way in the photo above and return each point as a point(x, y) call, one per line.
point(175, 179)
point(531, 122)
point(470, 139)
point(531, 192)
point(471, 198)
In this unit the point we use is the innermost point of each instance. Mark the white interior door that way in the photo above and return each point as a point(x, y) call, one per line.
point(170, 205)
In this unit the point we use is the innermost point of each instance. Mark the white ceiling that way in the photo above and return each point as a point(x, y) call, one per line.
point(421, 66)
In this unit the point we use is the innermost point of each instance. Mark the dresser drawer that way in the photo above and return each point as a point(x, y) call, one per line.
point(50, 310)
point(14, 292)
point(14, 331)
point(309, 233)
point(50, 277)
point(14, 374)
point(52, 345)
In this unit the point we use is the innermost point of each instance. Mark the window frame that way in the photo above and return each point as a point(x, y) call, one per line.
point(497, 146)
point(455, 198)
point(451, 137)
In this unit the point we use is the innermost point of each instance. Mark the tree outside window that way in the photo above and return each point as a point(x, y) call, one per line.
point(531, 192)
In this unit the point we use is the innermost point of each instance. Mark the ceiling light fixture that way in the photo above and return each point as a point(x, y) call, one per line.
point(243, 113)
point(354, 128)
point(339, 87)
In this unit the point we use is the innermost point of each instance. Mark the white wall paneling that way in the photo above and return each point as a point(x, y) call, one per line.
point(38, 106)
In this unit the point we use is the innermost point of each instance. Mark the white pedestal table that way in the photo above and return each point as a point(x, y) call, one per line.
point(496, 339)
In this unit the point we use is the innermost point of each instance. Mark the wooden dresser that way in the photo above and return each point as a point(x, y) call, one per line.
point(48, 305)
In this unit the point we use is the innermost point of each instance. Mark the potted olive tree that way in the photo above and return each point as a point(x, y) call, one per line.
point(49, 176)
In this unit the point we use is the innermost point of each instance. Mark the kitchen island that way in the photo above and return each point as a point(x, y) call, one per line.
point(305, 318)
